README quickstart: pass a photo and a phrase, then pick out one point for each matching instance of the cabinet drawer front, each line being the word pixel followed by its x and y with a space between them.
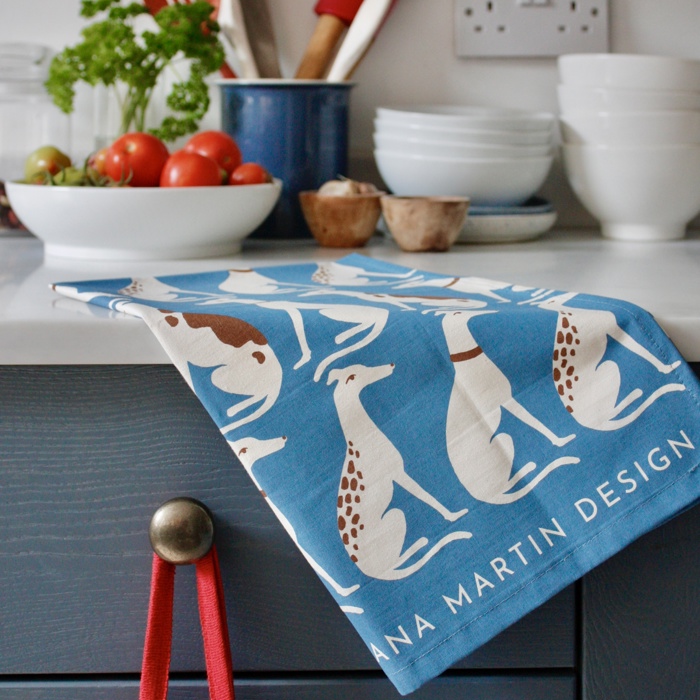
pixel 641 629
pixel 87 454
pixel 445 688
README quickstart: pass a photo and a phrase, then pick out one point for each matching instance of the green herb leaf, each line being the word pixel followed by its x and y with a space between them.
pixel 112 54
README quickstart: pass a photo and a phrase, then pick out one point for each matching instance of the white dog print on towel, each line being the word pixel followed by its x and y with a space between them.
pixel 249 450
pixel 481 457
pixel 243 360
pixel 374 534
pixel 342 275
pixel 589 387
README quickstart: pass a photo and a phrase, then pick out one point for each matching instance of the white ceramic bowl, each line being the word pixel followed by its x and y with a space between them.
pixel 582 98
pixel 142 223
pixel 637 193
pixel 486 181
pixel 455 149
pixel 631 128
pixel 630 71
pixel 469 117
pixel 470 136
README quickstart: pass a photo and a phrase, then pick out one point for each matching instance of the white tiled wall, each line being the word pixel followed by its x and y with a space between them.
pixel 412 61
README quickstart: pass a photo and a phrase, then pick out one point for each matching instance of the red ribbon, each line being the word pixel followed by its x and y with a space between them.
pixel 159 629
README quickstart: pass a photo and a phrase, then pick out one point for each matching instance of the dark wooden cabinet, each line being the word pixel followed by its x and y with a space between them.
pixel 88 453
pixel 641 613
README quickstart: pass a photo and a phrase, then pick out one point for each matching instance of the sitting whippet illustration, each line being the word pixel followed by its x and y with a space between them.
pixel 244 363
pixel 481 456
pixel 249 450
pixel 374 535
pixel 588 385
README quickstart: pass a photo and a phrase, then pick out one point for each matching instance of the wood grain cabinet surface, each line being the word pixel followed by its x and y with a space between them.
pixel 86 456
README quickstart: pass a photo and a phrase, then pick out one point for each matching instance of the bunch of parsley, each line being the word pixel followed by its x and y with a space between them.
pixel 112 54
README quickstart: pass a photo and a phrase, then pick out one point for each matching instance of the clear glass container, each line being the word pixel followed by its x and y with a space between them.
pixel 28 117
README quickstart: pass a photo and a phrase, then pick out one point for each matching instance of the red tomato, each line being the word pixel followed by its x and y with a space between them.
pixel 137 159
pixel 219 147
pixel 185 169
pixel 249 174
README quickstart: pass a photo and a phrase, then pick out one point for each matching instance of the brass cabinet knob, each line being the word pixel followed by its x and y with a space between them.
pixel 181 531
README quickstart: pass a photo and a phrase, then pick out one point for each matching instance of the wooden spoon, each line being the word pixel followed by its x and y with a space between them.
pixel 334 16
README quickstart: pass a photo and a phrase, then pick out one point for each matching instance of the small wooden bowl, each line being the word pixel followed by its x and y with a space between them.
pixel 347 221
pixel 424 223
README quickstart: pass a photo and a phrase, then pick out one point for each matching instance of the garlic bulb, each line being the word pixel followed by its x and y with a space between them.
pixel 345 188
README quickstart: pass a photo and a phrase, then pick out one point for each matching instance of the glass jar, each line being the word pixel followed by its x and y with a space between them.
pixel 28 117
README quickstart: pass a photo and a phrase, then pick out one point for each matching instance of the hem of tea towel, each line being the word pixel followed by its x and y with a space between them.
pixel 675 498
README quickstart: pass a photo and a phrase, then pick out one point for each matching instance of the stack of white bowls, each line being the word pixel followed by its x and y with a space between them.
pixel 494 156
pixel 630 128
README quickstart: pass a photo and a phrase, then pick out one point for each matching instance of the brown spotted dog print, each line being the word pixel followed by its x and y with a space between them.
pixel 589 385
pixel 249 451
pixel 372 532
pixel 564 359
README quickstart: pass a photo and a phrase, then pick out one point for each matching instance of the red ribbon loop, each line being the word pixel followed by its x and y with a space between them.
pixel 159 629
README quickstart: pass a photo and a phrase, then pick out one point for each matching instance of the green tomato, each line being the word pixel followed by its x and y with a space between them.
pixel 47 159
pixel 70 176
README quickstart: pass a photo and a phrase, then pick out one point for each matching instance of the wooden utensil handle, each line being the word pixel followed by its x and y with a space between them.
pixel 320 48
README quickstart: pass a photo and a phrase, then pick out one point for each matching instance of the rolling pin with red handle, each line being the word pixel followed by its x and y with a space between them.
pixel 333 18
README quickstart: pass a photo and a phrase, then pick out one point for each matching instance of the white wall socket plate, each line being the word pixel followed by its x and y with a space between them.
pixel 530 27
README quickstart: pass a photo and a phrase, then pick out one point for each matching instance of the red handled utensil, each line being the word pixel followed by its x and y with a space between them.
pixel 334 16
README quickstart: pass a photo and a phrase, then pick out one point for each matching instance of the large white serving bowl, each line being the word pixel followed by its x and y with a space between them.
pixel 643 194
pixel 630 71
pixel 583 98
pixel 469 117
pixel 486 181
pixel 455 149
pixel 142 223
pixel 631 128
pixel 492 136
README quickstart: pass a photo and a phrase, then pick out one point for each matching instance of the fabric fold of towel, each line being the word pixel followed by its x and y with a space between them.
pixel 447 452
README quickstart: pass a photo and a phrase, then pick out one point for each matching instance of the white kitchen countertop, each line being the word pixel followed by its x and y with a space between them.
pixel 37 326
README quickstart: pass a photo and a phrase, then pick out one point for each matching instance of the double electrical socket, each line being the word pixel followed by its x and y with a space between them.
pixel 530 27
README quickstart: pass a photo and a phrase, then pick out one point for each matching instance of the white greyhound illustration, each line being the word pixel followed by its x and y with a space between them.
pixel 374 535
pixel 361 319
pixel 588 386
pixel 244 362
pixel 463 285
pixel 154 289
pixel 249 450
pixel 242 281
pixel 248 281
pixel 343 275
pixel 482 457
pixel 404 302
pixel 370 321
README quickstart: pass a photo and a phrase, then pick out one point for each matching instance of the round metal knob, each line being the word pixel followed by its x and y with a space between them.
pixel 181 531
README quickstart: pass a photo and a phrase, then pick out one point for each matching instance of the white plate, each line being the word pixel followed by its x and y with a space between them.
pixel 508 224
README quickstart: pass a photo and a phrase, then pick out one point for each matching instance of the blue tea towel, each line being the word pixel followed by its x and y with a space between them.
pixel 447 452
